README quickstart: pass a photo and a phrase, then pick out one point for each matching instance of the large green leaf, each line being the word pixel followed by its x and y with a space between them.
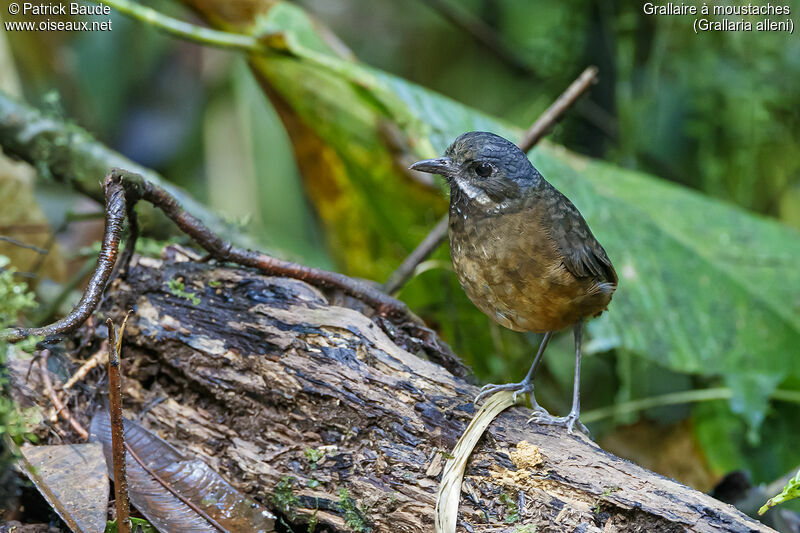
pixel 705 288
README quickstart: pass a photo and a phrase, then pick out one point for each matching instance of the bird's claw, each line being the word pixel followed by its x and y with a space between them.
pixel 491 389
pixel 571 421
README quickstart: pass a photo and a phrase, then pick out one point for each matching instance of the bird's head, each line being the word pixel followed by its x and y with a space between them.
pixel 483 167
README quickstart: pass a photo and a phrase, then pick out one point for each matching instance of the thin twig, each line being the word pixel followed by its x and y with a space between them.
pixel 136 187
pixel 186 30
pixel 26 275
pixel 553 113
pixel 117 429
pixel 99 358
pixel 21 244
pixel 61 409
pixel 406 270
pixel 48 310
pixel 539 129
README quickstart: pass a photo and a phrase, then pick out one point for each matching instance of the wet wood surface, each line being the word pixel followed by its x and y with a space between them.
pixel 311 408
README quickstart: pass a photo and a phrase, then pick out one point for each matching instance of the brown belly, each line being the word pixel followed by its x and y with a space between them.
pixel 515 275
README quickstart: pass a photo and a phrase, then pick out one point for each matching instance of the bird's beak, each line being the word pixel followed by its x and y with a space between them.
pixel 441 165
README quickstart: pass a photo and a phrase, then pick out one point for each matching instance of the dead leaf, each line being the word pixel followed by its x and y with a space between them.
pixel 72 478
pixel 194 480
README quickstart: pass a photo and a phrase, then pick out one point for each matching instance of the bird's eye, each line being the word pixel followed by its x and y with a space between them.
pixel 483 170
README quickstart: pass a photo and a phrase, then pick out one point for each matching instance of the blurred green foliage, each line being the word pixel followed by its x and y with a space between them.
pixel 708 293
pixel 14 299
pixel 715 111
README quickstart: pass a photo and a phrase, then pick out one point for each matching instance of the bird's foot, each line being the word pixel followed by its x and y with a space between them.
pixel 522 387
pixel 571 421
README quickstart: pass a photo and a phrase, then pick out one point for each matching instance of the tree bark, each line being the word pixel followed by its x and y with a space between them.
pixel 310 407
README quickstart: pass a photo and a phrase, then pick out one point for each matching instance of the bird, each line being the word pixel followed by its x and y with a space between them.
pixel 522 251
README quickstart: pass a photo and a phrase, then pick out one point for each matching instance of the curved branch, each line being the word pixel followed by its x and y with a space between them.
pixel 115 215
pixel 123 189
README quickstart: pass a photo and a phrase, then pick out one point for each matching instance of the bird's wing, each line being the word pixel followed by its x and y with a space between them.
pixel 583 255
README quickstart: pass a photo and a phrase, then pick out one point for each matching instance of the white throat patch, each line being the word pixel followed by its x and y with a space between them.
pixel 473 192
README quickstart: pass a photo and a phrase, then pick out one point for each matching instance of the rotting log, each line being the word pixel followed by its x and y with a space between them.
pixel 311 408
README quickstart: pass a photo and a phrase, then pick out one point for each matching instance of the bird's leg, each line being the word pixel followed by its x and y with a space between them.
pixel 573 418
pixel 574 414
pixel 524 386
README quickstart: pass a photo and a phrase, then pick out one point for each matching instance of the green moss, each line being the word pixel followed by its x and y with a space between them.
pixel 284 498
pixel 313 455
pixel 312 523
pixel 14 299
pixel 512 509
pixel 177 288
pixel 354 517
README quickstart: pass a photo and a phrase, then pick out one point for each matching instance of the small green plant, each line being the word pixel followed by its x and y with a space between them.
pixel 606 492
pixel 137 525
pixel 512 509
pixel 314 455
pixel 177 288
pixel 353 516
pixel 789 492
pixel 312 522
pixel 16 424
pixel 215 283
pixel 284 498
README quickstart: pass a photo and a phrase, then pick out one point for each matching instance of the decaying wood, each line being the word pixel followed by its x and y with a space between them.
pixel 312 408
pixel 123 189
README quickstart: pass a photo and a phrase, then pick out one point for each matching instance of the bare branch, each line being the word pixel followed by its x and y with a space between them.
pixel 21 244
pixel 553 114
pixel 61 409
pixel 406 270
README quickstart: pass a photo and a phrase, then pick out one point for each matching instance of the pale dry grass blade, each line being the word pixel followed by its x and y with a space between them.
pixel 450 488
